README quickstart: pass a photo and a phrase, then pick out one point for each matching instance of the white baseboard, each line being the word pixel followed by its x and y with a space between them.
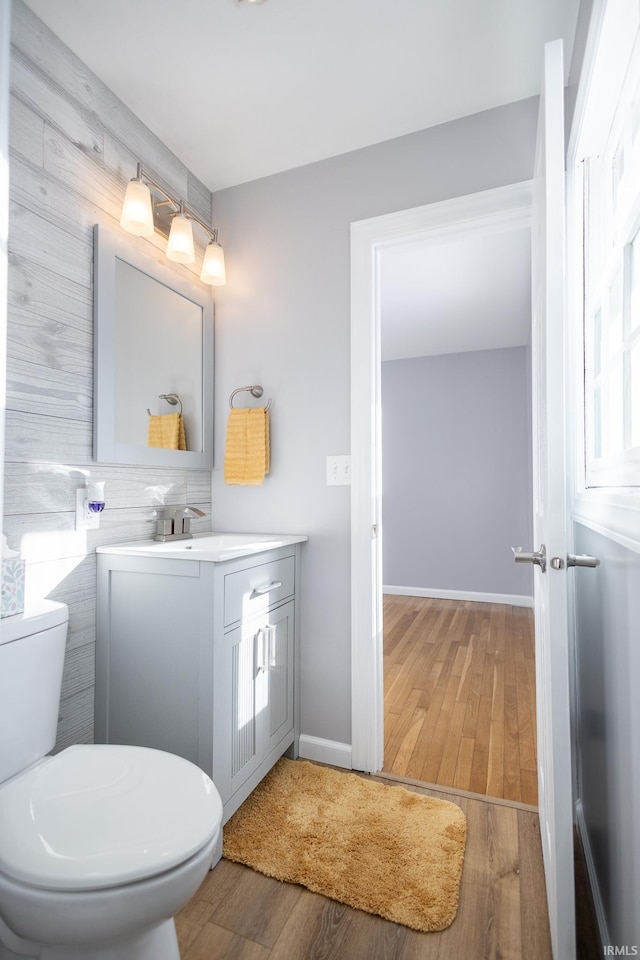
pixel 593 877
pixel 325 751
pixel 514 599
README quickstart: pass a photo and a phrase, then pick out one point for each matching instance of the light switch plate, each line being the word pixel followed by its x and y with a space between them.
pixel 339 471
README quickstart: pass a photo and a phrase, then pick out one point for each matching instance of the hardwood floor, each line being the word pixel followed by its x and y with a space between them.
pixel 463 676
pixel 502 913
pixel 460 695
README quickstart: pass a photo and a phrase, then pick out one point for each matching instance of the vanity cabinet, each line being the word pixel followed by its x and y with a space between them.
pixel 200 658
pixel 253 678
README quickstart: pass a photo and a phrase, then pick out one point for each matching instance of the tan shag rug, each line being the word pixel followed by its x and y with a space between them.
pixel 379 848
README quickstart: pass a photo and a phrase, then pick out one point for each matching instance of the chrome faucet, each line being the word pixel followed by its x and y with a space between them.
pixel 174 522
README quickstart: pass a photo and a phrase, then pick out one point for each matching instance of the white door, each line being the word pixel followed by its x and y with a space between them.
pixel 549 505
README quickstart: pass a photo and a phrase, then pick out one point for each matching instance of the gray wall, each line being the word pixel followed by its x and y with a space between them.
pixel 5 20
pixel 73 146
pixel 456 481
pixel 608 735
pixel 283 320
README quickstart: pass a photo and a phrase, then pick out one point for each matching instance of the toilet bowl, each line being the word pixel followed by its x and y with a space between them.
pixel 100 845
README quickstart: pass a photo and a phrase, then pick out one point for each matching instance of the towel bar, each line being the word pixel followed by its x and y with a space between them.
pixel 171 398
pixel 255 390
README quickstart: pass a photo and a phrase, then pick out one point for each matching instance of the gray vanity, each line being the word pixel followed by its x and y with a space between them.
pixel 197 652
pixel 197 636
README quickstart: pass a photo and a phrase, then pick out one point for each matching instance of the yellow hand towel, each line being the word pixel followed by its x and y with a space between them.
pixel 247 450
pixel 167 431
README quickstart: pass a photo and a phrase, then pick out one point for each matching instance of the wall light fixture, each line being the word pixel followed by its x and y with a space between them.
pixel 147 207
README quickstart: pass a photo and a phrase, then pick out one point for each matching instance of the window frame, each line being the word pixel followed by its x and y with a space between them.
pixel 611 228
pixel 614 27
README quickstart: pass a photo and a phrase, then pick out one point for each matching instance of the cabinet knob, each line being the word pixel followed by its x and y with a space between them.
pixel 261 651
pixel 273 662
pixel 260 591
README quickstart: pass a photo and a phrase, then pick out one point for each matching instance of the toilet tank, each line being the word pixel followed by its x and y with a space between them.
pixel 32 648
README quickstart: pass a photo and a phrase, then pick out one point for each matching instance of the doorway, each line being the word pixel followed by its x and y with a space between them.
pixel 459 670
pixel 487 214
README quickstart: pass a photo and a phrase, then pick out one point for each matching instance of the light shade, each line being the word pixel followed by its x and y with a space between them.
pixel 137 213
pixel 180 245
pixel 213 271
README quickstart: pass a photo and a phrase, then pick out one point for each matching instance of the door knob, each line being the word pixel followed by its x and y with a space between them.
pixel 539 556
pixel 575 560
pixel 581 560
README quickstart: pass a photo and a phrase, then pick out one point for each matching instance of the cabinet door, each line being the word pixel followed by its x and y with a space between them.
pixel 253 693
pixel 278 719
pixel 240 695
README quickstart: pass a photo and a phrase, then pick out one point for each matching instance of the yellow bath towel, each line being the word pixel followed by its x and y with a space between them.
pixel 246 458
pixel 167 431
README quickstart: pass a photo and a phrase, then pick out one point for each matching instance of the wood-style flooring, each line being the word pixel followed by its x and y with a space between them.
pixel 241 915
pixel 460 698
pixel 482 723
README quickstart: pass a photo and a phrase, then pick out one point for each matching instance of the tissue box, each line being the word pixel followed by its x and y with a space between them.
pixel 12 594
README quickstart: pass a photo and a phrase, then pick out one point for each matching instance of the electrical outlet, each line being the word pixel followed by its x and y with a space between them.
pixel 85 519
pixel 339 471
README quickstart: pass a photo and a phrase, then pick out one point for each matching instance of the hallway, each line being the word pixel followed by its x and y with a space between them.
pixel 459 681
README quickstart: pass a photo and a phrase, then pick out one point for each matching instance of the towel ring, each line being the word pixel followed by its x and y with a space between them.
pixel 171 398
pixel 255 391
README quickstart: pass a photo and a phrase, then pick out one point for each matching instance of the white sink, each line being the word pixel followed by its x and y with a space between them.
pixel 205 546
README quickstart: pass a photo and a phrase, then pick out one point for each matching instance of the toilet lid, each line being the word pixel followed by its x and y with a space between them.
pixel 99 815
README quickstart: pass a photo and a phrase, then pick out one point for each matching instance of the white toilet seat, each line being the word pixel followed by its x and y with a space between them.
pixel 98 816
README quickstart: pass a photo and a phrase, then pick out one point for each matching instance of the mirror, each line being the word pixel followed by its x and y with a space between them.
pixel 153 338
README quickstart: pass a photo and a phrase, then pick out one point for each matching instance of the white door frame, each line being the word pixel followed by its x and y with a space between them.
pixel 491 211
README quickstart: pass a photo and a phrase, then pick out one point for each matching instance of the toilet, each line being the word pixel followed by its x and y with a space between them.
pixel 100 845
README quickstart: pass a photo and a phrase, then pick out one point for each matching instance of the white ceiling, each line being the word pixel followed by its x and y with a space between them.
pixel 470 292
pixel 240 91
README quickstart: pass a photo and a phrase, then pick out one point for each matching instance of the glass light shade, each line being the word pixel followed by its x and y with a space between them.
pixel 213 271
pixel 180 245
pixel 137 213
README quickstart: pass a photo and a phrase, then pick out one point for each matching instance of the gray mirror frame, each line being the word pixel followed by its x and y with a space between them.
pixel 109 247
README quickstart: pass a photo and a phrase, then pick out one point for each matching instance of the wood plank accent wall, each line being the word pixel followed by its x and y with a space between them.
pixel 73 147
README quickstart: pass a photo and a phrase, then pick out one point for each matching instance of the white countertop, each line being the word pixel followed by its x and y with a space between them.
pixel 205 546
